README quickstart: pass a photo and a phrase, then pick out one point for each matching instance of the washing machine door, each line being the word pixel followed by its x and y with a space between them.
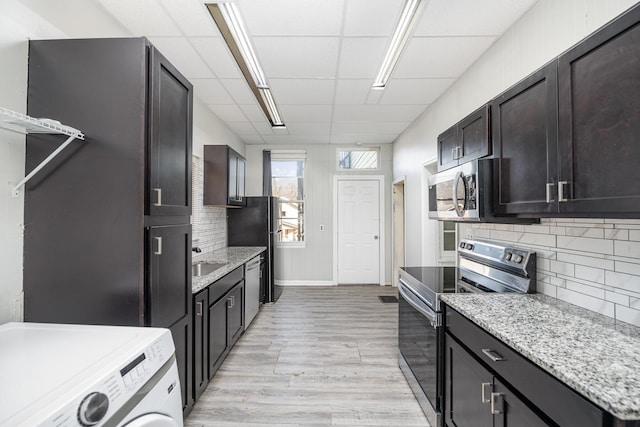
pixel 153 420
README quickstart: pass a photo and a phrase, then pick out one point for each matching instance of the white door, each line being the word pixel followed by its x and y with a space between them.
pixel 358 232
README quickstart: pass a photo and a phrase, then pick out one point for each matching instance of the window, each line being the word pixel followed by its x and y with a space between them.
pixel 287 180
pixel 358 159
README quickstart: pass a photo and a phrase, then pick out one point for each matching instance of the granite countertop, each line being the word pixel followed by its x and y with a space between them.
pixel 593 354
pixel 232 256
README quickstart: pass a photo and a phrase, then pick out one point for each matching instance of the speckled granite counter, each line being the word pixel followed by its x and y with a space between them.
pixel 232 257
pixel 591 353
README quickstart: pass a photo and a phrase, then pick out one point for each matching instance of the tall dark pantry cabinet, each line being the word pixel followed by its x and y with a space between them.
pixel 107 235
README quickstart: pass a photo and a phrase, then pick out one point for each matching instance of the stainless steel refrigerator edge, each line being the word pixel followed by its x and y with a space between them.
pixel 256 224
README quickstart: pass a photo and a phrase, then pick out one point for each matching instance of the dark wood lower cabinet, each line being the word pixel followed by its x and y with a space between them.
pixel 182 339
pixel 218 335
pixel 200 342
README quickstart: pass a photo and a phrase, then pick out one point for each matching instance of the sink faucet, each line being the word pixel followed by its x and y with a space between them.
pixel 196 250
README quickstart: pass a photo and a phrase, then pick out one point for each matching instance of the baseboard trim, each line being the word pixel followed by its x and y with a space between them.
pixel 304 283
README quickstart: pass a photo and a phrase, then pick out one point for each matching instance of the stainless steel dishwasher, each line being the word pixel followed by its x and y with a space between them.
pixel 251 290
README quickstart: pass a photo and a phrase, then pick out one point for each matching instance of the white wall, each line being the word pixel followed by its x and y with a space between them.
pixel 545 31
pixel 314 263
pixel 45 19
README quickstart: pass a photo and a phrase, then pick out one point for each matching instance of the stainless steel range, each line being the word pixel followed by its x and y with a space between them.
pixel 482 267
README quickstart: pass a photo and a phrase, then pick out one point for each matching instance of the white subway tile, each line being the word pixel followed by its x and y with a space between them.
pixel 558 231
pixel 537 239
pixel 508 236
pixel 590 303
pixel 634 303
pixel 586 289
pixel 628 315
pixel 628 267
pixel 631 294
pixel 600 246
pixel 543 264
pixel 616 234
pixel 518 228
pixel 634 235
pixel 622 221
pixel 547 289
pixel 558 282
pixel 586 260
pixel 503 227
pixel 563 268
pixel 617 298
pixel 622 281
pixel 589 273
pixel 596 233
pixel 480 233
pixel 589 220
pixel 539 229
pixel 628 249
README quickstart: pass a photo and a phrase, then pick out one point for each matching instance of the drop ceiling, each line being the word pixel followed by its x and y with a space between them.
pixel 320 58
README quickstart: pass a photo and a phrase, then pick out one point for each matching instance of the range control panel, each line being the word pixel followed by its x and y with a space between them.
pixel 98 402
pixel 505 255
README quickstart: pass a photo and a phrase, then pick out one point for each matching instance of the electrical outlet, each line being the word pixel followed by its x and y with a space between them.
pixel 321 227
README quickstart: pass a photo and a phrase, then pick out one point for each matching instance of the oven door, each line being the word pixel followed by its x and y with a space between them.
pixel 420 347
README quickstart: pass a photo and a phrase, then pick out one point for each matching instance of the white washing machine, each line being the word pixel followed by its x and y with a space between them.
pixel 81 375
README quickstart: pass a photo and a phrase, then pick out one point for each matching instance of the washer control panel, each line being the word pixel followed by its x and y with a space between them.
pixel 95 405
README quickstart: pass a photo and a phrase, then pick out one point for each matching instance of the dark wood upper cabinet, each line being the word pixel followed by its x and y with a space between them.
pixel 170 127
pixel 467 140
pixel 524 133
pixel 224 176
pixel 599 121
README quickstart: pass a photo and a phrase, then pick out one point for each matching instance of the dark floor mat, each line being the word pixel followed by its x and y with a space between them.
pixel 387 299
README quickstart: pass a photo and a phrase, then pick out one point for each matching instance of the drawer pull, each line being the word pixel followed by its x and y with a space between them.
pixel 497 403
pixel 493 355
pixel 487 388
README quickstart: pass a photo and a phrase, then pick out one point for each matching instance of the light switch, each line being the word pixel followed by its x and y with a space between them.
pixel 321 227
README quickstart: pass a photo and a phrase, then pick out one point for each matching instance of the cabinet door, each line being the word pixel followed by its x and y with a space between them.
pixel 200 342
pixel 236 312
pixel 473 135
pixel 168 297
pixel 448 148
pixel 181 333
pixel 509 410
pixel 465 381
pixel 242 167
pixel 218 334
pixel 170 124
pixel 599 121
pixel 524 134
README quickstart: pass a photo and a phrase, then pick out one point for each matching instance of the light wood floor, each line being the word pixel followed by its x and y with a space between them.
pixel 320 356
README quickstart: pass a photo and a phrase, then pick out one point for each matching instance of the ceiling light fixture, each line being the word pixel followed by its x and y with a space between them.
pixel 408 18
pixel 227 18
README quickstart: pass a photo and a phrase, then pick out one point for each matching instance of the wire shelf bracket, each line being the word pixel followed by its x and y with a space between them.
pixel 23 124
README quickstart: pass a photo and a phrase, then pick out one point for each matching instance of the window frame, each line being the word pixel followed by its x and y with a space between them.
pixel 351 149
pixel 292 156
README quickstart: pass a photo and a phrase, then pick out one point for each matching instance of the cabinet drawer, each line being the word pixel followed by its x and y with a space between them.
pixel 221 286
pixel 565 406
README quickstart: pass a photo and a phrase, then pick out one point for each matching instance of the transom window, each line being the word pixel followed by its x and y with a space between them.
pixel 358 159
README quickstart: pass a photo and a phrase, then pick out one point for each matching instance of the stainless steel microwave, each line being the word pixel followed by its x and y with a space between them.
pixel 464 193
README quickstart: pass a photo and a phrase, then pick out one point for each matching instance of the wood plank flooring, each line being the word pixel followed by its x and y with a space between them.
pixel 320 356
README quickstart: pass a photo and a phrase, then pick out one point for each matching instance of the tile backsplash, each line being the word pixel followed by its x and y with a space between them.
pixel 211 231
pixel 593 263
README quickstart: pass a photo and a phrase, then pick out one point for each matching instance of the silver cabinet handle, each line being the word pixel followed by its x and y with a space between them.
pixel 158 250
pixel 549 186
pixel 231 301
pixel 561 196
pixel 493 355
pixel 454 152
pixel 460 151
pixel 199 308
pixel 487 388
pixel 158 197
pixel 497 403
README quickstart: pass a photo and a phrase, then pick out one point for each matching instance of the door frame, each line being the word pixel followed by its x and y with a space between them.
pixel 381 203
pixel 402 180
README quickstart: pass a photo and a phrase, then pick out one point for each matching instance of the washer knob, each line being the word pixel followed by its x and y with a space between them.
pixel 93 408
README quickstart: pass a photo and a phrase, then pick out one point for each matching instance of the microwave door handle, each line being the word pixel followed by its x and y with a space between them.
pixel 456 181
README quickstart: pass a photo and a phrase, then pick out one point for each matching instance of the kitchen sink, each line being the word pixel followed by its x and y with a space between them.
pixel 204 268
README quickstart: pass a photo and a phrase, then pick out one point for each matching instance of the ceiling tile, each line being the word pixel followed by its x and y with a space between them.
pixel 368 127
pixel 191 16
pixel 253 112
pixel 364 138
pixel 305 113
pixel 263 127
pixel 361 57
pixel 183 56
pixel 216 54
pixel 440 57
pixel 242 128
pixel 470 18
pixel 295 139
pixel 210 91
pixel 376 113
pixel 315 129
pixel 292 17
pixel 239 90
pixel 313 91
pixel 352 91
pixel 142 17
pixel 414 91
pixel 371 17
pixel 228 113
pixel 298 57
pixel 252 139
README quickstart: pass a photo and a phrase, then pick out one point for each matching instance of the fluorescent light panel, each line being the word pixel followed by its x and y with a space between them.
pixel 398 42
pixel 229 21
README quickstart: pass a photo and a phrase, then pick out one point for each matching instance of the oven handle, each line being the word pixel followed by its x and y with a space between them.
pixel 468 288
pixel 415 302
